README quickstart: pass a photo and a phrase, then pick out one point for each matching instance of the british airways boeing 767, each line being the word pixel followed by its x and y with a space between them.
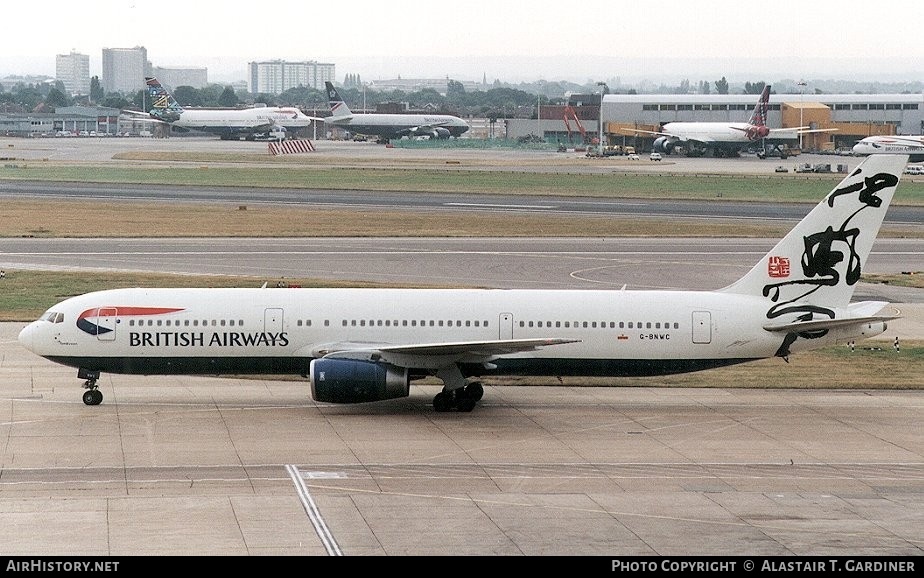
pixel 365 345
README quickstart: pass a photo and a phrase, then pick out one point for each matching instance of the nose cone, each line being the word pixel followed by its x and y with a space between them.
pixel 27 336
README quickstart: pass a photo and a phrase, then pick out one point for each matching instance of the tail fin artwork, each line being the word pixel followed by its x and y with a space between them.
pixel 338 108
pixel 163 105
pixel 757 123
pixel 809 277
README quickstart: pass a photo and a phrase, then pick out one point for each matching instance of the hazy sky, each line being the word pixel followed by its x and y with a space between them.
pixel 510 40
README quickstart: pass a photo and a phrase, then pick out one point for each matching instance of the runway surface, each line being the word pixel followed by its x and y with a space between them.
pixel 208 466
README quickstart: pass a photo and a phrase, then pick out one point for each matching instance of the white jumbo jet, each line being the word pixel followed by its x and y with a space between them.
pixel 912 145
pixel 251 123
pixel 365 345
pixel 389 126
pixel 723 138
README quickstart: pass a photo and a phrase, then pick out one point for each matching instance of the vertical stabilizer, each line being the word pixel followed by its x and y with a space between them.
pixel 818 264
pixel 163 105
pixel 759 114
pixel 338 108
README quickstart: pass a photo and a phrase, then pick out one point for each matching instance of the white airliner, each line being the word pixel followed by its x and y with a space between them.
pixel 389 126
pixel 723 138
pixel 912 145
pixel 363 345
pixel 250 123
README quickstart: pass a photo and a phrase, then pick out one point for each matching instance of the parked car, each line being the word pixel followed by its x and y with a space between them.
pixel 633 157
pixel 781 169
pixel 655 156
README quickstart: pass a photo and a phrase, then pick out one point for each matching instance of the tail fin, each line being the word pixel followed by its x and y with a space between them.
pixel 338 108
pixel 759 114
pixel 817 265
pixel 163 105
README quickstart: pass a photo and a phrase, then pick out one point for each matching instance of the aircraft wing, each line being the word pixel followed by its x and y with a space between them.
pixel 433 354
pixel 424 129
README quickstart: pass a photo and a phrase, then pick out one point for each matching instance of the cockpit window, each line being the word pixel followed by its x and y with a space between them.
pixel 53 317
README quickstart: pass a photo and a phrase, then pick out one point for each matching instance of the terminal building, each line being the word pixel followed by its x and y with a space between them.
pixel 853 116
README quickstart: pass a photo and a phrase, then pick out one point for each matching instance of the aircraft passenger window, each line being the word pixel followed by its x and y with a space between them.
pixel 441 322
pixel 478 324
pixel 585 325
pixel 658 325
pixel 630 325
pixel 432 323
pixel 648 325
pixel 222 322
pixel 485 323
pixel 676 326
pixel 458 323
pixel 214 323
pixel 344 322
pixel 522 323
pixel 558 324
pixel 186 322
pixel 160 322
pixel 567 324
pixel 621 324
pixel 468 323
pixel 594 324
pixel 530 323
pixel 327 323
pixel 298 323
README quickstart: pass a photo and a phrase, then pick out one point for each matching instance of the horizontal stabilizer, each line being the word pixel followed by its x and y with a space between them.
pixel 817 324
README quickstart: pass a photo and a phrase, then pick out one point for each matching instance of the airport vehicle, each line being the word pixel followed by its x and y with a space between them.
pixel 912 145
pixel 723 138
pixel 655 156
pixel 365 345
pixel 391 126
pixel 265 123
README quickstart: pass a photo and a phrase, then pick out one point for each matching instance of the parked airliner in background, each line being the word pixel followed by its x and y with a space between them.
pixel 363 345
pixel 912 145
pixel 723 138
pixel 250 123
pixel 388 126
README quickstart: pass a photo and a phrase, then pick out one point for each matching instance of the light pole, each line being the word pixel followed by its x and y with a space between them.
pixel 603 90
pixel 801 109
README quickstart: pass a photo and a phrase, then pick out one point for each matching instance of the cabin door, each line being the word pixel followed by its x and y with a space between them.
pixel 272 320
pixel 106 323
pixel 505 326
pixel 702 327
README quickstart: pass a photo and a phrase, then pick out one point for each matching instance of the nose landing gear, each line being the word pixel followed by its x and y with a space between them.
pixel 92 395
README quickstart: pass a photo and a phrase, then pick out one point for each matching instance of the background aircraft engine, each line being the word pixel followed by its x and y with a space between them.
pixel 441 133
pixel 352 381
pixel 664 145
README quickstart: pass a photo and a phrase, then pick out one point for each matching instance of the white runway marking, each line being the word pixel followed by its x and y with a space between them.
pixel 330 544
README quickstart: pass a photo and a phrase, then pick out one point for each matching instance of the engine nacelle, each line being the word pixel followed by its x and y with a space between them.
pixel 352 381
pixel 440 132
pixel 664 145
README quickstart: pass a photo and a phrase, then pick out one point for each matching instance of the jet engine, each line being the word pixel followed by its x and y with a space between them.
pixel 664 145
pixel 352 381
pixel 440 132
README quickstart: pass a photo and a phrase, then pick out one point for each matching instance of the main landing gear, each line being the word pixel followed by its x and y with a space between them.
pixel 92 395
pixel 461 399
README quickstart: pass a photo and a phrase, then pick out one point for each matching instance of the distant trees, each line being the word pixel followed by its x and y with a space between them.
pixel 721 86
pixel 228 97
pixel 96 90
pixel 754 87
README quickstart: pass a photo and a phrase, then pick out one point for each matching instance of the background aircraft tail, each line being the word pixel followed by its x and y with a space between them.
pixel 163 105
pixel 817 265
pixel 337 106
pixel 759 114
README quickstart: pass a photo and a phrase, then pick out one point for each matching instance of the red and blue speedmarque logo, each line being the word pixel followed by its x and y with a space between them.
pixel 85 324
